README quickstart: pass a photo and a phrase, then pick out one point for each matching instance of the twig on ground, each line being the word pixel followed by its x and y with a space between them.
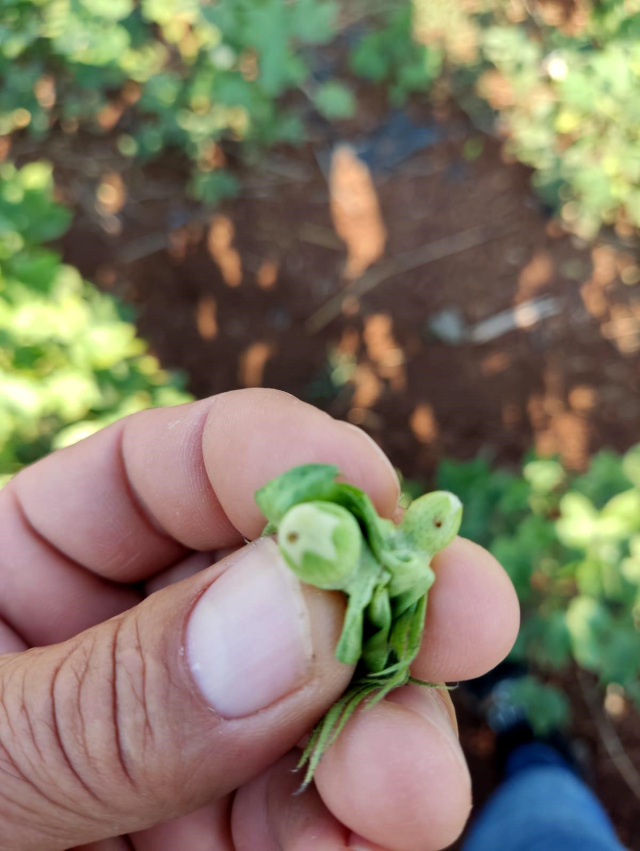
pixel 405 262
pixel 147 245
pixel 320 235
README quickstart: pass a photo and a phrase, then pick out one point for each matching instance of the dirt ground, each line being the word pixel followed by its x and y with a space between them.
pixel 432 359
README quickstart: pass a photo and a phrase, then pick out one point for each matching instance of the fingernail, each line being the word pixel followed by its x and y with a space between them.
pixel 429 703
pixel 248 639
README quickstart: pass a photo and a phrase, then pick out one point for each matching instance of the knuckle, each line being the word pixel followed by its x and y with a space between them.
pixel 139 690
pixel 84 734
pixel 35 795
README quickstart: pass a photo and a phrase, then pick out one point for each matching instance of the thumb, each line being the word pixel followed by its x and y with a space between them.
pixel 167 706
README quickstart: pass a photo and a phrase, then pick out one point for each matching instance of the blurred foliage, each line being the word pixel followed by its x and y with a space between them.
pixel 389 54
pixel 69 362
pixel 571 545
pixel 164 73
pixel 546 706
pixel 560 79
pixel 563 81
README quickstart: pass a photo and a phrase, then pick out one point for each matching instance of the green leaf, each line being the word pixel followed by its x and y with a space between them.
pixel 631 464
pixel 335 100
pixel 578 522
pixel 369 61
pixel 621 515
pixel 547 640
pixel 213 186
pixel 113 10
pixel 313 21
pixel 621 656
pixel 604 478
pixel 267 28
pixel 546 707
pixel 301 484
pixel 590 626
pixel 544 475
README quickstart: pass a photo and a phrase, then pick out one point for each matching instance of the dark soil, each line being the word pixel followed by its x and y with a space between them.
pixel 226 300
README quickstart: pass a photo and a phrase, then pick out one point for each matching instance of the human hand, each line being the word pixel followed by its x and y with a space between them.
pixel 154 713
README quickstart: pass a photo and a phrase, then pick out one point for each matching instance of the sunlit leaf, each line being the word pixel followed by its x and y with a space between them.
pixel 335 100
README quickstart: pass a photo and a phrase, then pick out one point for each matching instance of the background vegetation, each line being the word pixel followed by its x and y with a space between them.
pixel 571 545
pixel 69 361
pixel 561 82
pixel 218 81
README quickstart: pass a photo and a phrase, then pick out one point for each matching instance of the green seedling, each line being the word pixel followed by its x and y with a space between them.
pixel 331 536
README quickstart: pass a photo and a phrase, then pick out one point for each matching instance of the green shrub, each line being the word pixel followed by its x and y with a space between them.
pixel 186 74
pixel 389 54
pixel 178 73
pixel 545 705
pixel 565 94
pixel 571 545
pixel 69 362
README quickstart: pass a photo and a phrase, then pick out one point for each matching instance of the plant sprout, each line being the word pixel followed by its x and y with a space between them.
pixel 331 536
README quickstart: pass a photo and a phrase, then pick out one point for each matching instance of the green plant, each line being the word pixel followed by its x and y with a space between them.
pixel 565 94
pixel 389 54
pixel 331 536
pixel 574 113
pixel 571 545
pixel 546 707
pixel 69 362
pixel 163 73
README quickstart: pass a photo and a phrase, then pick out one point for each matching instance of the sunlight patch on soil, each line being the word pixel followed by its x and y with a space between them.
pixel 383 349
pixel 623 329
pixel 582 398
pixel 253 362
pixel 423 423
pixel 368 386
pixel 220 245
pixel 593 291
pixel 534 275
pixel 495 363
pixel 206 318
pixel 267 274
pixel 355 211
pixel 111 194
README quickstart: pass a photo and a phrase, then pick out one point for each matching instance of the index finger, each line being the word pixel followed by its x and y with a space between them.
pixel 131 499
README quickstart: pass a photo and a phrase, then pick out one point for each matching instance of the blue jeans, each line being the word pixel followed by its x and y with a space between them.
pixel 541 805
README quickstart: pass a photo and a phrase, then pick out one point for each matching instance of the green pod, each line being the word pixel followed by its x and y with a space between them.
pixel 321 542
pixel 432 521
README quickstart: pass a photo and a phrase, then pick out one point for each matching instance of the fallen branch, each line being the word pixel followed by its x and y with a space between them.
pixel 404 262
pixel 143 247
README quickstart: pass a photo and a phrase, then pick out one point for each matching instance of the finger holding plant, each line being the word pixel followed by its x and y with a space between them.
pixel 331 536
pixel 221 669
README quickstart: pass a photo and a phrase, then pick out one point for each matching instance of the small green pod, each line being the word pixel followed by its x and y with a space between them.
pixel 432 521
pixel 321 542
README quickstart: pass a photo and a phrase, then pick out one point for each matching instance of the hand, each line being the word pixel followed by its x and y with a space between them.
pixel 145 701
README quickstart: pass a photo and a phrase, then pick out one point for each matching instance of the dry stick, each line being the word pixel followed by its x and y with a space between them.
pixel 145 246
pixel 404 262
pixel 610 739
pixel 151 243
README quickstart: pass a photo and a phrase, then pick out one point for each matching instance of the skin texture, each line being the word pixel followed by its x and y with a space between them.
pixel 104 736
